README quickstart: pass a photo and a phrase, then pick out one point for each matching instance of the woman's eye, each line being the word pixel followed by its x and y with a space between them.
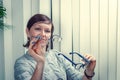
pixel 37 29
pixel 48 31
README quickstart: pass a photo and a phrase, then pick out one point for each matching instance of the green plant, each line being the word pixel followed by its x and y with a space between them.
pixel 2 15
pixel 2 11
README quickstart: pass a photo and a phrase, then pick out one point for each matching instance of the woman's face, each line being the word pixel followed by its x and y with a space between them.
pixel 40 29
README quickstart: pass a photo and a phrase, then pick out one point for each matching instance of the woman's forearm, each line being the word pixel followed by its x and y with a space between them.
pixel 38 73
pixel 88 75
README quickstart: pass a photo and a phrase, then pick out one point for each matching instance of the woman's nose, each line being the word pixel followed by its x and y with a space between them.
pixel 42 33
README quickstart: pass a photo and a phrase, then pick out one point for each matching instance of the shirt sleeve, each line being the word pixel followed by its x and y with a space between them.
pixel 22 71
pixel 71 72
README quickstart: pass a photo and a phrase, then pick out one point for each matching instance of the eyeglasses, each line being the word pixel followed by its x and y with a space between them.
pixel 78 66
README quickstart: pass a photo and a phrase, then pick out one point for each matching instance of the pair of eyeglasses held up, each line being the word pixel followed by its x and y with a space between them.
pixel 77 65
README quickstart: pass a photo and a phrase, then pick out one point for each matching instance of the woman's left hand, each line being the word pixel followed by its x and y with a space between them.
pixel 91 66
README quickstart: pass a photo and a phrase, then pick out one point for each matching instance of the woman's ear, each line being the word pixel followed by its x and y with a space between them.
pixel 27 32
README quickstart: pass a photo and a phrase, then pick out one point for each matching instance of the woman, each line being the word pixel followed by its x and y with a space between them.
pixel 41 64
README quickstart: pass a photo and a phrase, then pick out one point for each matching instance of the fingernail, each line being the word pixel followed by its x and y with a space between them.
pixel 33 42
pixel 38 37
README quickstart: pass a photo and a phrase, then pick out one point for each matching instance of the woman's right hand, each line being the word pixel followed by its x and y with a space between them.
pixel 36 50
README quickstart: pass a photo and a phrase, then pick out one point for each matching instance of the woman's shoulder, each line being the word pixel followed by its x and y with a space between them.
pixel 24 58
pixel 24 62
pixel 55 53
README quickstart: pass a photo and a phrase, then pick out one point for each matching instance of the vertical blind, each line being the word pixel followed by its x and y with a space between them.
pixel 90 27
pixel 93 27
pixel 86 26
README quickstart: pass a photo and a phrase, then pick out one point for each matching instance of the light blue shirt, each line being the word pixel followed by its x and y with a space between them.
pixel 56 68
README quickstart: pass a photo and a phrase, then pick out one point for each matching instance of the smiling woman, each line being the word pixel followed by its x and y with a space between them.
pixel 39 63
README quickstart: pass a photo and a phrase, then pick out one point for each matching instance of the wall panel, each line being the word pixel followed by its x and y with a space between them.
pixel 112 36
pixel 45 7
pixel 56 21
pixel 76 27
pixel 8 56
pixel 66 26
pixel 103 43
pixel 94 23
pixel 84 26
pixel 35 6
pixel 118 40
pixel 27 12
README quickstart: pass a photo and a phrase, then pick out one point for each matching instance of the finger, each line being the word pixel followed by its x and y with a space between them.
pixel 34 41
pixel 40 52
pixel 40 49
pixel 92 58
pixel 33 54
pixel 41 46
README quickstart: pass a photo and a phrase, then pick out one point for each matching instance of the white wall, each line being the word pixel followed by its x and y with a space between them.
pixel 95 25
pixel 86 26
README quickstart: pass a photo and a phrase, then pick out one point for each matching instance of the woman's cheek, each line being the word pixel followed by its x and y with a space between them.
pixel 34 34
pixel 49 36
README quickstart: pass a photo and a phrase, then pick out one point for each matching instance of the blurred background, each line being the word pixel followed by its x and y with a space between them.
pixel 86 26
